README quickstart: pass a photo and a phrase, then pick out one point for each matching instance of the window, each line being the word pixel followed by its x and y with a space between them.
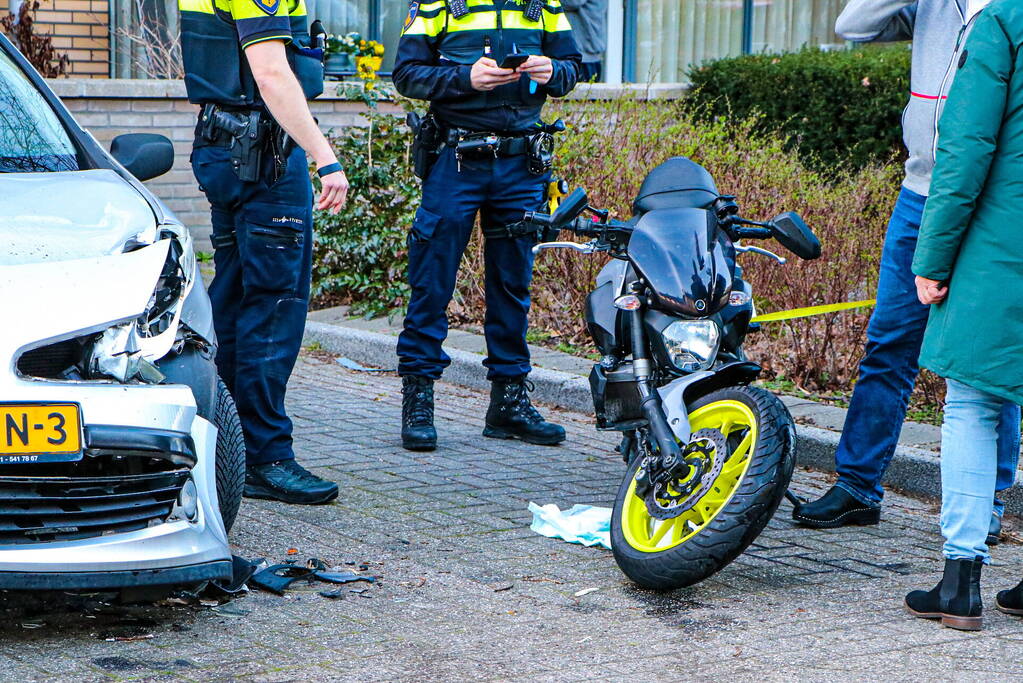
pixel 374 19
pixel 663 38
pixel 32 138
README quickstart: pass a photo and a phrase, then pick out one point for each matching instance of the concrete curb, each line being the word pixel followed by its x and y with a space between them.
pixel 914 471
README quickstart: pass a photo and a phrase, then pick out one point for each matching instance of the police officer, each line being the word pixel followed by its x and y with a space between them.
pixel 250 66
pixel 482 149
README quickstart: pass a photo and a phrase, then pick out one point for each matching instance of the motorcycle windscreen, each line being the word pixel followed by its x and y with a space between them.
pixel 680 255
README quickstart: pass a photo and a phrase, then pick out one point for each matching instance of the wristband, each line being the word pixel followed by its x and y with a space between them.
pixel 328 169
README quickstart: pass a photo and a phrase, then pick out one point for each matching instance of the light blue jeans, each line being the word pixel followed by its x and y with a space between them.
pixel 969 467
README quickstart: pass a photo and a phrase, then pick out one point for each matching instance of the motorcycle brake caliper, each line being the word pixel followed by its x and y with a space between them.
pixel 671 492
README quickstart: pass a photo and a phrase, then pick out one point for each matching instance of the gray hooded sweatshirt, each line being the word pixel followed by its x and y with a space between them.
pixel 937 29
pixel 589 26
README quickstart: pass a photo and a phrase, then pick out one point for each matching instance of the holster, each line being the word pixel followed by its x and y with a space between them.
pixel 250 135
pixel 428 139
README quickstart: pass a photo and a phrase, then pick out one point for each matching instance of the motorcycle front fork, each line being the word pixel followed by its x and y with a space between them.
pixel 650 400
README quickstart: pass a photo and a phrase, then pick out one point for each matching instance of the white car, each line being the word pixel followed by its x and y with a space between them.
pixel 121 456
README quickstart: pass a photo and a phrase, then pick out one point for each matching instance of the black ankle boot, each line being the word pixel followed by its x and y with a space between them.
pixel 1011 601
pixel 417 431
pixel 956 598
pixel 512 416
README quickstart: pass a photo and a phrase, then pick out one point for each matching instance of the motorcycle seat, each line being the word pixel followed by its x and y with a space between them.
pixel 678 183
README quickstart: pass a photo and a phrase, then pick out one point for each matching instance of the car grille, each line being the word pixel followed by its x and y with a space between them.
pixel 50 362
pixel 102 494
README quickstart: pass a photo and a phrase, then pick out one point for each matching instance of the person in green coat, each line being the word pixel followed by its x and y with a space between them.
pixel 969 267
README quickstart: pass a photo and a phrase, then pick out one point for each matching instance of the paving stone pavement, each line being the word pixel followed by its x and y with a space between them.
pixel 468 592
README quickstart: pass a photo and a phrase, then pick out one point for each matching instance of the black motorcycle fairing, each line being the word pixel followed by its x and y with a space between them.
pixel 604 322
pixel 616 400
pixel 735 319
pixel 683 257
pixel 676 183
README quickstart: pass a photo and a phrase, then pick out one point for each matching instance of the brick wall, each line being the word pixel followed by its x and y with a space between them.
pixel 107 108
pixel 80 29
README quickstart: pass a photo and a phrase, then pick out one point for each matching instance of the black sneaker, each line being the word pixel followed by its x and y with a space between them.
pixel 512 416
pixel 836 508
pixel 288 482
pixel 417 430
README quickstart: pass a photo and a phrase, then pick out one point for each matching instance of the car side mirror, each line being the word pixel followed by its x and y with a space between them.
pixel 793 234
pixel 570 207
pixel 144 155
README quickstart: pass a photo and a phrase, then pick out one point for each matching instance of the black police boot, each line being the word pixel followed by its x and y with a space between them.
pixel 512 416
pixel 994 530
pixel 417 431
pixel 288 482
pixel 956 598
pixel 1011 601
pixel 835 508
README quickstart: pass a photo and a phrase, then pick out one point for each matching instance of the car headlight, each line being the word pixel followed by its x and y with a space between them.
pixel 692 344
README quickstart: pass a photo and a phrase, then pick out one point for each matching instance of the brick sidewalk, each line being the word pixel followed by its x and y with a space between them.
pixel 448 533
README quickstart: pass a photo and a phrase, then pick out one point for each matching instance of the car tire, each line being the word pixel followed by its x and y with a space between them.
pixel 230 456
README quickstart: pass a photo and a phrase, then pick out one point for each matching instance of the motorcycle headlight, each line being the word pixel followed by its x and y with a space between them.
pixel 692 344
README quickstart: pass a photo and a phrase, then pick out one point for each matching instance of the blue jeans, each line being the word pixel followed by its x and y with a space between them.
pixel 262 235
pixel 889 369
pixel 971 459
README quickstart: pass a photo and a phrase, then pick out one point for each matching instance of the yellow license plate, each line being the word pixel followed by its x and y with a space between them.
pixel 34 432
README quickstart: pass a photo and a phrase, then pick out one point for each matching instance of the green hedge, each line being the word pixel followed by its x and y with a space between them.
pixel 834 107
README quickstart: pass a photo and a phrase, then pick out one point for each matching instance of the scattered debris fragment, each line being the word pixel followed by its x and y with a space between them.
pixel 130 639
pixel 499 586
pixel 350 364
pixel 279 577
pixel 585 591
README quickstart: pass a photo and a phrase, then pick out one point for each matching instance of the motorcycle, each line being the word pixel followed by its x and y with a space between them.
pixel 709 457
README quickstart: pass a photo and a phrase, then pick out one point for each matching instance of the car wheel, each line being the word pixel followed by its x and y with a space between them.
pixel 230 456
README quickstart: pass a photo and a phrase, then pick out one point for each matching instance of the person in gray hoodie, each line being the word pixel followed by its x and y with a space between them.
pixel 889 367
pixel 589 25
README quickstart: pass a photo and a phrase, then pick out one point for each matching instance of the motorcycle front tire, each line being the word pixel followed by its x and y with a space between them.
pixel 741 503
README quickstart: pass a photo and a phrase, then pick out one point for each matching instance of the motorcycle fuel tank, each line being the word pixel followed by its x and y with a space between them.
pixel 679 254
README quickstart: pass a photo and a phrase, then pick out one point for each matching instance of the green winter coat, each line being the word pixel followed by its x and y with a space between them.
pixel 971 234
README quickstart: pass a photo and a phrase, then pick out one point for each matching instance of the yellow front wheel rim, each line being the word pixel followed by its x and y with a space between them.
pixel 738 423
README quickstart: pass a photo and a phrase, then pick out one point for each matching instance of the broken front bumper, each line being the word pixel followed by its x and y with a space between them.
pixel 140 506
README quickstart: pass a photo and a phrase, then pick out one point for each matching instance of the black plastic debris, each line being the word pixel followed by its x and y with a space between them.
pixel 279 577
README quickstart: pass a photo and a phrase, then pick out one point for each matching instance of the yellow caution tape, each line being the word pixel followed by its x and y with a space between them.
pixel 811 310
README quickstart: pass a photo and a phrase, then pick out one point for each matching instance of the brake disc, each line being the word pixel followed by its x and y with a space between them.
pixel 673 493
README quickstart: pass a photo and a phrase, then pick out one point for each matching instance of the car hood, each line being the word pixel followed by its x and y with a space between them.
pixel 64 216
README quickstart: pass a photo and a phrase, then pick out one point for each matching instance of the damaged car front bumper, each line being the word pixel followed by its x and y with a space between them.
pixel 135 504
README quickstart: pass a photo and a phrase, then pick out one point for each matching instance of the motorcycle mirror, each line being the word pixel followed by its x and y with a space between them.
pixel 793 234
pixel 570 207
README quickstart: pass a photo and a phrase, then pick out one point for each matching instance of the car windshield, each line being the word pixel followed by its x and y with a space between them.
pixel 32 138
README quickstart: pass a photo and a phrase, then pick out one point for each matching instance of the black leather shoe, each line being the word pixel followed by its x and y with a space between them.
pixel 956 598
pixel 512 416
pixel 288 482
pixel 994 532
pixel 836 508
pixel 1011 601
pixel 417 431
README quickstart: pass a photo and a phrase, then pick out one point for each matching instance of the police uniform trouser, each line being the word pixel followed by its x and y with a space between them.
pixel 502 190
pixel 262 232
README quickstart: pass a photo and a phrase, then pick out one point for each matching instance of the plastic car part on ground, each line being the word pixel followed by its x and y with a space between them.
pixel 583 524
pixel 277 578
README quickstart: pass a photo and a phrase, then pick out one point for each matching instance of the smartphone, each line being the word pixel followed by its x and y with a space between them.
pixel 513 61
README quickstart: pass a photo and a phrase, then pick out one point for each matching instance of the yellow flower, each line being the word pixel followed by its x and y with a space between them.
pixel 379 50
